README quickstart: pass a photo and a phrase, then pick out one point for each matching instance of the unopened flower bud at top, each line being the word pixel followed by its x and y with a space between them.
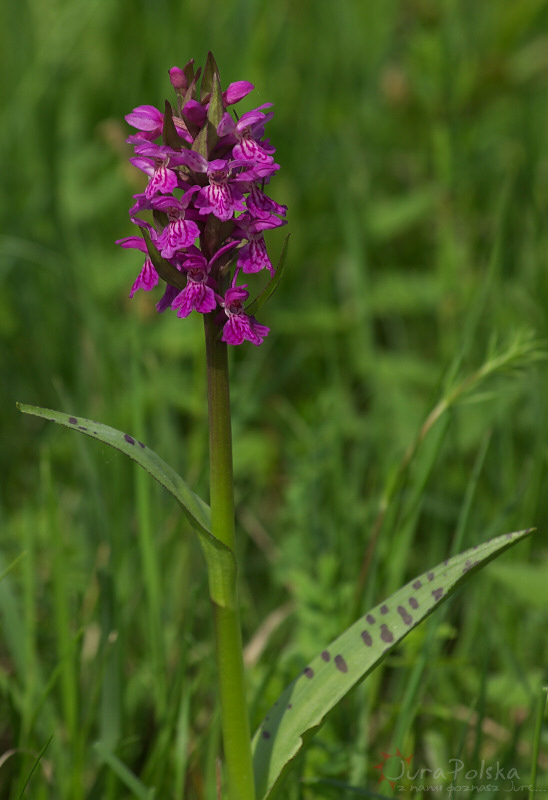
pixel 178 79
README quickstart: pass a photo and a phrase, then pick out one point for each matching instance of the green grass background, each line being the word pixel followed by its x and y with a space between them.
pixel 412 140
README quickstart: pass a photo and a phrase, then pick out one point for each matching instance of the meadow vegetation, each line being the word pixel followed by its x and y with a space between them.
pixel 396 413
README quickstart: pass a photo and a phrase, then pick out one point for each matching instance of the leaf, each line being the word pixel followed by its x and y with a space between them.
pixel 196 510
pixel 215 113
pixel 210 70
pixel 207 138
pixel 169 131
pixel 301 708
pixel 219 557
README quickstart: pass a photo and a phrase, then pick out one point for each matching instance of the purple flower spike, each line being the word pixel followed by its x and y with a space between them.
pixel 205 210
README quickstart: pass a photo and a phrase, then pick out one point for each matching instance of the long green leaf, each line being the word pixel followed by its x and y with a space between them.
pixel 301 708
pixel 219 557
pixel 196 510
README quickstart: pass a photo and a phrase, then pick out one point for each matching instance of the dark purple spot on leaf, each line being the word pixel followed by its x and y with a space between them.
pixel 141 445
pixel 437 594
pixel 73 421
pixel 406 617
pixel 340 663
pixel 366 636
pixel 82 428
pixel 413 602
pixel 289 705
pixel 384 609
pixel 266 735
pixel 309 672
pixel 129 439
pixel 326 656
pixel 386 636
pixel 469 564
pixel 417 585
pixel 371 619
pixel 430 576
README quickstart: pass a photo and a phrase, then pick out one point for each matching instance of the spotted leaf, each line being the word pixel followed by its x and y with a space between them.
pixel 220 559
pixel 301 709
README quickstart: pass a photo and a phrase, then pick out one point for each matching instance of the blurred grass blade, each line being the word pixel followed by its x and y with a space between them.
pixel 13 564
pixel 33 768
pixel 541 707
pixel 131 781
pixel 301 708
pixel 220 559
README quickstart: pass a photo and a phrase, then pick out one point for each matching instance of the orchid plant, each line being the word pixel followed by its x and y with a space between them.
pixel 201 222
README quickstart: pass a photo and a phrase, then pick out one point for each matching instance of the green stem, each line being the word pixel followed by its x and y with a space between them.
pixel 230 665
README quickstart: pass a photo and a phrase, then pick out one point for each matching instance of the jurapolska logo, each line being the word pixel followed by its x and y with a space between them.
pixel 386 767
pixel 455 777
